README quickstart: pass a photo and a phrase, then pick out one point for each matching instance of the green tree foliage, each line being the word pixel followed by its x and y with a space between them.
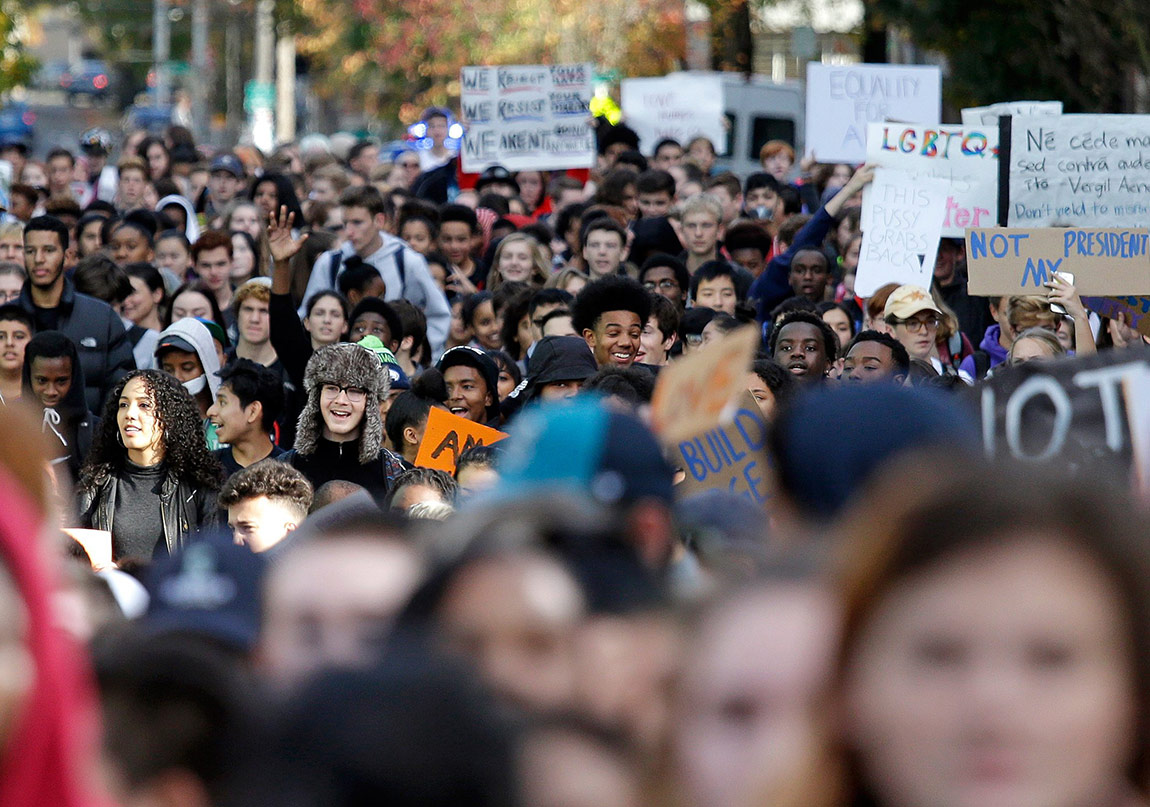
pixel 16 66
pixel 1081 53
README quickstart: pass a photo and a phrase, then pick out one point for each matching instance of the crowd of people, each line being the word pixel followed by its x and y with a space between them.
pixel 225 578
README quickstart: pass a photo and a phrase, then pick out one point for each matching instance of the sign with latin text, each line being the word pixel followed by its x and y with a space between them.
pixel 679 106
pixel 1079 170
pixel 447 436
pixel 527 117
pixel 902 221
pixel 965 158
pixel 843 99
pixel 1005 260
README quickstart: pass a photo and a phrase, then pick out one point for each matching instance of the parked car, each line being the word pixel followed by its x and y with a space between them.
pixel 90 77
pixel 49 75
pixel 17 124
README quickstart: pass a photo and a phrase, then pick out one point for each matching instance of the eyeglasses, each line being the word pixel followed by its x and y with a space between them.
pixel 920 325
pixel 665 285
pixel 354 394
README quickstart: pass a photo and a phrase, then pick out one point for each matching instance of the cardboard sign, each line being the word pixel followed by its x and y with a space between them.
pixel 730 457
pixel 693 393
pixel 900 241
pixel 1080 170
pixel 447 436
pixel 1003 260
pixel 1069 411
pixel 1135 310
pixel 965 158
pixel 681 106
pixel 843 99
pixel 989 115
pixel 527 117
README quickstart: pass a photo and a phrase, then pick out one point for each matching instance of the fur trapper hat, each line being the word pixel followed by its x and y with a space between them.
pixel 347 365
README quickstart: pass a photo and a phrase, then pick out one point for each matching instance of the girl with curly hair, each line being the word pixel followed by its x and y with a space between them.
pixel 149 479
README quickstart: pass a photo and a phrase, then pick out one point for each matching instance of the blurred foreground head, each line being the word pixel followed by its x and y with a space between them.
pixel 829 443
pixel 47 709
pixel 995 648
pixel 585 448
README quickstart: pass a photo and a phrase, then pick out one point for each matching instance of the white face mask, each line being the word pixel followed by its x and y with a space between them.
pixel 196 385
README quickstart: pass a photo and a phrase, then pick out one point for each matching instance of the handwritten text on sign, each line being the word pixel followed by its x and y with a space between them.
pixel 843 99
pixel 447 436
pixel 966 159
pixel 679 106
pixel 527 117
pixel 729 457
pixel 1017 261
pixel 902 220
pixel 1135 310
pixel 1085 170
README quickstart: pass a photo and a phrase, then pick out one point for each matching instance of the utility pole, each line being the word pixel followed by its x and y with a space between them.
pixel 233 76
pixel 201 123
pixel 161 51
pixel 285 85
pixel 262 97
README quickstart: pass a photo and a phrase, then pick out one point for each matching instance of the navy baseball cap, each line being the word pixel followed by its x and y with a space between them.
pixel 230 163
pixel 211 587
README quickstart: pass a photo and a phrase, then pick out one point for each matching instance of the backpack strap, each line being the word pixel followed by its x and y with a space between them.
pixel 981 364
pixel 336 263
pixel 401 269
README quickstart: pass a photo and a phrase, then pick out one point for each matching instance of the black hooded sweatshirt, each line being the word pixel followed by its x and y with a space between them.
pixel 69 425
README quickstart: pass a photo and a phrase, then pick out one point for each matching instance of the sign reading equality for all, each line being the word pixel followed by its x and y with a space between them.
pixel 902 221
pixel 843 99
pixel 1081 170
pixel 527 117
pixel 965 158
pixel 680 106
pixel 1004 260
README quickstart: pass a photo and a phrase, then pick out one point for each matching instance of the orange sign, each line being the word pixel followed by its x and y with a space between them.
pixel 693 393
pixel 447 436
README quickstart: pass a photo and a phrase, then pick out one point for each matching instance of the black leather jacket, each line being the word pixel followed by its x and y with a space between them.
pixel 183 509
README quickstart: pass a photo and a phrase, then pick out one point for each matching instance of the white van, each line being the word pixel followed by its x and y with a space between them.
pixel 757 110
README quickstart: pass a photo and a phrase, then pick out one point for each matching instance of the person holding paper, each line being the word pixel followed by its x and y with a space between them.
pixel 149 480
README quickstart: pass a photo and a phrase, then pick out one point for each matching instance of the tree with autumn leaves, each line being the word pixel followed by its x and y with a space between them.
pixel 397 58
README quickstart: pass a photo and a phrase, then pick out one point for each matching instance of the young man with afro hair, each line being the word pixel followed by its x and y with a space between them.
pixel 610 314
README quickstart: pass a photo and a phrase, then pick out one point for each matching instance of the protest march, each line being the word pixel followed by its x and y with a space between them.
pixel 550 459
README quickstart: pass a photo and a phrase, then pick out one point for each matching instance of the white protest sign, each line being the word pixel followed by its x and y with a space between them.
pixel 904 222
pixel 1082 170
pixel 965 158
pixel 989 115
pixel 843 99
pixel 527 117
pixel 680 106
